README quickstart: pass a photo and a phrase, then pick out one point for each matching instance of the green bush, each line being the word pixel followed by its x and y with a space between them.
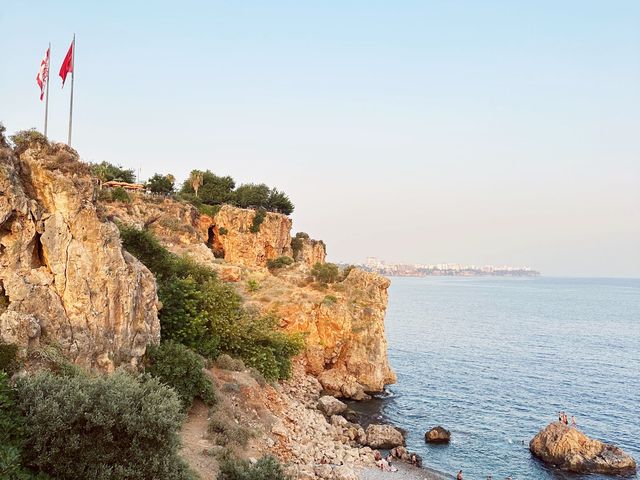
pixel 325 272
pixel 119 194
pixel 225 430
pixel 251 195
pixel 223 231
pixel 258 218
pixel 329 300
pixel 106 172
pixel 207 315
pixel 267 468
pixel 11 437
pixel 160 184
pixel 297 242
pixel 101 427
pixel 279 262
pixel 226 362
pixel 214 189
pixel 253 285
pixel 181 369
pixel 8 357
pixel 25 139
pixel 279 202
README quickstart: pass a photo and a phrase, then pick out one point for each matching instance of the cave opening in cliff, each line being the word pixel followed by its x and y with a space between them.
pixel 38 258
pixel 215 246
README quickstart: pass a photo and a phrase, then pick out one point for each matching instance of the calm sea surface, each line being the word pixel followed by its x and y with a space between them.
pixel 494 360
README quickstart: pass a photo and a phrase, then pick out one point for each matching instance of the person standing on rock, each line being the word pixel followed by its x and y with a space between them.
pixel 573 422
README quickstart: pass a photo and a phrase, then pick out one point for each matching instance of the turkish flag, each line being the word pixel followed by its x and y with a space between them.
pixel 67 64
pixel 43 74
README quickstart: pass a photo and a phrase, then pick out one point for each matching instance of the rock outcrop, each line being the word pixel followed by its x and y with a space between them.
pixel 307 250
pixel 384 436
pixel 343 323
pixel 229 233
pixel 437 435
pixel 569 449
pixel 63 274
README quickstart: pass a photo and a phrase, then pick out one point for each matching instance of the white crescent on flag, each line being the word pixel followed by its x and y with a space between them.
pixel 43 74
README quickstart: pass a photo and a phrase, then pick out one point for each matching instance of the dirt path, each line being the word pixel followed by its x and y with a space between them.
pixel 195 443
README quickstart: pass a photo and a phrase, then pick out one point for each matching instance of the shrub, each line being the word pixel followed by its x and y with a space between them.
pixel 8 357
pixel 253 285
pixel 3 139
pixel 101 427
pixel 106 172
pixel 325 272
pixel 267 468
pixel 226 362
pixel 160 184
pixel 329 300
pixel 181 369
pixel 206 314
pixel 212 189
pixel 258 218
pixel 11 438
pixel 25 139
pixel 224 430
pixel 223 231
pixel 279 262
pixel 297 242
pixel 119 194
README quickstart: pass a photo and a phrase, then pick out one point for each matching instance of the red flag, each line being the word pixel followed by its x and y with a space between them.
pixel 43 74
pixel 67 64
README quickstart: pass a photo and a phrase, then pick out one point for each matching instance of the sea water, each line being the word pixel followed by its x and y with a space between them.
pixel 495 359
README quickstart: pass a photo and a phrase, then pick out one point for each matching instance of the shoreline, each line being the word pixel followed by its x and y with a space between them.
pixel 405 472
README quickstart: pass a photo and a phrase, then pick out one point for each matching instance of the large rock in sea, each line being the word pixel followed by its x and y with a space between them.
pixel 64 277
pixel 384 436
pixel 438 435
pixel 569 449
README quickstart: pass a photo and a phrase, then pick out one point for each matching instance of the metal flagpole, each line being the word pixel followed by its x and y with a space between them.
pixel 73 74
pixel 46 103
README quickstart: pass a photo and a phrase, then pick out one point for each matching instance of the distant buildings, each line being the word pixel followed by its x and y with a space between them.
pixel 373 264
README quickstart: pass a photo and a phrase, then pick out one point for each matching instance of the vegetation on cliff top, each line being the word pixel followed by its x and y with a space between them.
pixel 206 314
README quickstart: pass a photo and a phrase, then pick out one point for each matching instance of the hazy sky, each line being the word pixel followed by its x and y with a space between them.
pixel 502 132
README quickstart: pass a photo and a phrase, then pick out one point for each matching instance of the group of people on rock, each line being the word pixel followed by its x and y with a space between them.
pixel 564 419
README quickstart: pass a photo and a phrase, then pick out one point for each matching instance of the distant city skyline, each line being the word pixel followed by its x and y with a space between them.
pixel 474 132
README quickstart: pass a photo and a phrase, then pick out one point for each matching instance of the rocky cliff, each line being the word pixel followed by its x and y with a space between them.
pixel 343 322
pixel 64 277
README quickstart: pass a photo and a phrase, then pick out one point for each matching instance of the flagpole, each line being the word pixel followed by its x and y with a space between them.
pixel 46 103
pixel 73 70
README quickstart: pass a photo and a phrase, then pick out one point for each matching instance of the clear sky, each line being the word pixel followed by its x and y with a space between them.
pixel 486 132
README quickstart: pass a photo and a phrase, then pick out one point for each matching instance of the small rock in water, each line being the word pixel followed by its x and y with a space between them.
pixel 438 435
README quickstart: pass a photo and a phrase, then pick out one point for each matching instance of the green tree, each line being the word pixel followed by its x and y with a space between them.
pixel 279 202
pixel 106 172
pixel 3 139
pixel 251 195
pixel 160 184
pixel 325 272
pixel 213 190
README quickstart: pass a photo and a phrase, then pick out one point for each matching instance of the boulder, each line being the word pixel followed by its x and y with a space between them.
pixel 569 449
pixel 331 406
pixel 437 435
pixel 384 436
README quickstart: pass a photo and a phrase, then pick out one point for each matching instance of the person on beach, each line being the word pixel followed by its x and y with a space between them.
pixel 459 476
pixel 573 422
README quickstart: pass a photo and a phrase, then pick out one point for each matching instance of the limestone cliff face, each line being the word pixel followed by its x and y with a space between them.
pixel 344 326
pixel 64 275
pixel 343 323
pixel 308 251
pixel 229 233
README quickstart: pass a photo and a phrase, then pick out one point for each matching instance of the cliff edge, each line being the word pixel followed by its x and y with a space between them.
pixel 64 278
